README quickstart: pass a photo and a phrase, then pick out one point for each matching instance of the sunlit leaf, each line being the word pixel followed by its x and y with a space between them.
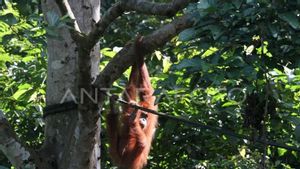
pixel 210 51
pixel 249 49
pixel 108 52
pixel 243 152
pixel 230 103
pixel 5 58
pixel 158 54
pixel 28 58
pixel 22 89
pixel 166 64
pixel 281 151
pixel 19 93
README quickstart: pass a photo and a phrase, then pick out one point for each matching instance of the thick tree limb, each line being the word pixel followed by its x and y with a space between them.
pixel 127 55
pixel 140 6
pixel 152 8
pixel 16 153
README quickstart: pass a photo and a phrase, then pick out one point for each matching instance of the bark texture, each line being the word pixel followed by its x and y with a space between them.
pixel 62 129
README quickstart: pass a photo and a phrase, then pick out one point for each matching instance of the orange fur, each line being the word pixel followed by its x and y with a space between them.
pixel 130 141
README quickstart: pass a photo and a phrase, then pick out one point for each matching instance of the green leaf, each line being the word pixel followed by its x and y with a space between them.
pixel 9 18
pixel 216 31
pixel 3 167
pixel 243 152
pixel 22 89
pixel 205 4
pixel 158 55
pixel 217 79
pixel 187 34
pixel 24 86
pixel 274 30
pixel 204 66
pixel 291 19
pixel 297 133
pixel 19 93
pixel 24 7
pixel 294 119
pixel 188 63
pixel 166 64
pixel 230 103
pixel 108 52
pixel 237 3
pixel 249 12
pixel 249 49
pixel 281 151
pixel 28 58
pixel 5 58
pixel 209 51
pixel 7 38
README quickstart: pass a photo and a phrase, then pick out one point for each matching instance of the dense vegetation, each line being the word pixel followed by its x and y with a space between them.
pixel 236 69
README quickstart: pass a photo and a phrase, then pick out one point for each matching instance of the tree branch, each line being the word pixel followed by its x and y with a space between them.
pixel 112 13
pixel 140 6
pixel 16 153
pixel 127 55
pixel 65 9
pixel 153 8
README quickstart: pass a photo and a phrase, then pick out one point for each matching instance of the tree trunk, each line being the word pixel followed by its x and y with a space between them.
pixel 62 128
pixel 72 134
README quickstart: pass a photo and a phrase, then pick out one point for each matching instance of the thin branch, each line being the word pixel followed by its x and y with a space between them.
pixel 16 153
pixel 65 9
pixel 127 55
pixel 113 13
pixel 153 8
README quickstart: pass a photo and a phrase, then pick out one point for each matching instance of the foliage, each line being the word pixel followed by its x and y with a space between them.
pixel 22 70
pixel 236 48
